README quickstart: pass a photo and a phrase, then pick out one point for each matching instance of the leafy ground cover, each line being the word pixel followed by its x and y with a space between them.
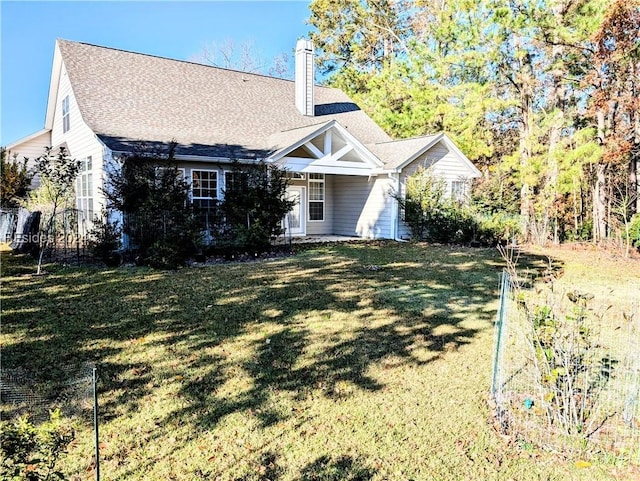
pixel 367 361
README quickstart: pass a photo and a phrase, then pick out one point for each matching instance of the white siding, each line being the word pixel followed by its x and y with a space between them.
pixel 31 149
pixel 79 139
pixel 362 207
pixel 445 163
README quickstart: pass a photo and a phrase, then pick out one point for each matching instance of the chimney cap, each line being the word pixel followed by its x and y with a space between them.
pixel 304 44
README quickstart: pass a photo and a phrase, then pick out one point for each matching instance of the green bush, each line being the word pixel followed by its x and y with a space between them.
pixel 253 207
pixel 634 231
pixel 498 228
pixel 163 255
pixel 105 239
pixel 571 367
pixel 450 223
pixel 422 202
pixel 15 180
pixel 160 225
pixel 29 452
pixel 584 232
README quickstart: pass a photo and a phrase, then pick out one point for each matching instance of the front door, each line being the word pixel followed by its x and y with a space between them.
pixel 294 221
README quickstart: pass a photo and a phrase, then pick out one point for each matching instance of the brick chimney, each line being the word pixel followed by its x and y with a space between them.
pixel 305 72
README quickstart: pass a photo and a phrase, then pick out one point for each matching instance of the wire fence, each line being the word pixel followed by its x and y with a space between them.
pixel 65 237
pixel 73 390
pixel 566 372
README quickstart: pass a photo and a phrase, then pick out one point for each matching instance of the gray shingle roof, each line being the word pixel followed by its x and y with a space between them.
pixel 129 97
pixel 395 152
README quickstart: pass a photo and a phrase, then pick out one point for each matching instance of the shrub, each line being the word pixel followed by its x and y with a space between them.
pixel 31 452
pixel 498 228
pixel 582 234
pixel 450 223
pixel 424 197
pixel 253 207
pixel 105 239
pixel 164 255
pixel 15 180
pixel 634 231
pixel 159 222
pixel 572 368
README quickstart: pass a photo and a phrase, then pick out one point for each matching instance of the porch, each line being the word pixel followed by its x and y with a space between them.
pixel 344 207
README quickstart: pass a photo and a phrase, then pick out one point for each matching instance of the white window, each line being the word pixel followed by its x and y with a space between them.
pixel 316 197
pixel 295 176
pixel 204 186
pixel 235 181
pixel 84 190
pixel 66 121
pixel 459 191
pixel 160 171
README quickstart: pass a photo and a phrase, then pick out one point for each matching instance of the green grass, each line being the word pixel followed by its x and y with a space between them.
pixel 313 367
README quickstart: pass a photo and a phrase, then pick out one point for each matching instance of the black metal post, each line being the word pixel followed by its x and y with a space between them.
pixel 95 421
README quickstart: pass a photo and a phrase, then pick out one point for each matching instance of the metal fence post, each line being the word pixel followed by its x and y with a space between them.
pixel 497 357
pixel 95 421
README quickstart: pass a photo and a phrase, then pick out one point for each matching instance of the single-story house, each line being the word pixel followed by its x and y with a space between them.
pixel 103 102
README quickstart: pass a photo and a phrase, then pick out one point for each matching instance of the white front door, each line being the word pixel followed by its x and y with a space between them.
pixel 294 223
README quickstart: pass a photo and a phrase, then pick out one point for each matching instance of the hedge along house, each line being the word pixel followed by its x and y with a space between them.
pixel 105 102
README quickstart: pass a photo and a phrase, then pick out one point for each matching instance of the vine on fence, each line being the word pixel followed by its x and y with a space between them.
pixel 571 368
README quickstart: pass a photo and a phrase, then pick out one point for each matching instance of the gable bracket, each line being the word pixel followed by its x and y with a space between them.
pixel 313 150
pixel 327 142
pixel 341 153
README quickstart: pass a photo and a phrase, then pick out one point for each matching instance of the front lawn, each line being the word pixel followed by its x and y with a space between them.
pixel 353 362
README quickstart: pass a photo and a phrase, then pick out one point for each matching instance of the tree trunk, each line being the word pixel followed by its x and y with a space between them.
pixel 558 103
pixel 634 176
pixel 599 191
pixel 526 100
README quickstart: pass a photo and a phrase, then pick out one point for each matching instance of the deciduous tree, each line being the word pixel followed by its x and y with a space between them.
pixel 15 180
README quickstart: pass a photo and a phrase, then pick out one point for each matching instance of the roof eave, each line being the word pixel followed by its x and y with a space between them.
pixel 195 158
pixel 475 173
pixel 56 72
pixel 420 151
pixel 279 154
pixel 27 138
pixel 358 146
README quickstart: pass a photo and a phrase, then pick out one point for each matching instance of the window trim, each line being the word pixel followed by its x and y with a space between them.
pixel 323 183
pixel 217 194
pixel 464 197
pixel 226 172
pixel 85 199
pixel 296 175
pixel 66 116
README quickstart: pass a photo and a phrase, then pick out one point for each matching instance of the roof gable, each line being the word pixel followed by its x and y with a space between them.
pixel 398 154
pixel 326 148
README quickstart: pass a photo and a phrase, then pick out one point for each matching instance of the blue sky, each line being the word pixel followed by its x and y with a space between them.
pixel 169 29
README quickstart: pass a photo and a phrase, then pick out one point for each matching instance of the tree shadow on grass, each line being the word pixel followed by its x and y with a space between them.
pixel 147 328
pixel 425 314
pixel 344 468
pixel 324 468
